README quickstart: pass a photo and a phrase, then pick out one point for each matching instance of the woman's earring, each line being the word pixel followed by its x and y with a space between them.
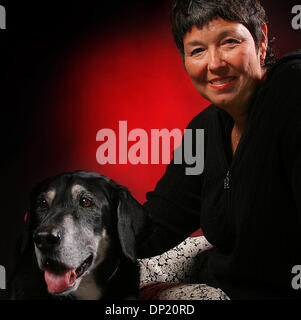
pixel 262 58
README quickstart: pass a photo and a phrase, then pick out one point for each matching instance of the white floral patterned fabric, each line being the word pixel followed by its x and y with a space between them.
pixel 170 276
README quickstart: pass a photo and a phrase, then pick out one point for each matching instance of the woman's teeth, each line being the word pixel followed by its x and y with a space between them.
pixel 221 81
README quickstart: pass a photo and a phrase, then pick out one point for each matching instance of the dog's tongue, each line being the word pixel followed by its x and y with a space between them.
pixel 59 282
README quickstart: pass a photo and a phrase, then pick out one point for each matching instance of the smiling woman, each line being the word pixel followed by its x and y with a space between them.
pixel 222 60
pixel 252 143
pixel 226 54
pixel 225 66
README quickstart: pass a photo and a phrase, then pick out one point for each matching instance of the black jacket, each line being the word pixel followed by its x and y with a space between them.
pixel 249 205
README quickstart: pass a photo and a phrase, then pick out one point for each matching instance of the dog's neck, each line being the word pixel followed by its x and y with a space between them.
pixel 89 289
pixel 115 271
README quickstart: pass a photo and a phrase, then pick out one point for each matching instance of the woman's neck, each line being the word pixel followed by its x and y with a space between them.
pixel 237 130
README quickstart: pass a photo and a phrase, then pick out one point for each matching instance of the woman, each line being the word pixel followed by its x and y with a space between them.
pixel 246 200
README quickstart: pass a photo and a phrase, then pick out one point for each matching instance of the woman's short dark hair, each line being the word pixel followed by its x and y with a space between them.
pixel 250 13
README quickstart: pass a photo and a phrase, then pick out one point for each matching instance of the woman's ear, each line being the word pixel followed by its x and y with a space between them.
pixel 263 44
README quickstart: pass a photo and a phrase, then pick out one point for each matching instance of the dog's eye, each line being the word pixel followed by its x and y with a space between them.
pixel 43 204
pixel 85 202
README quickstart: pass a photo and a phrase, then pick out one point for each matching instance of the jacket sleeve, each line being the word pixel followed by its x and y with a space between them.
pixel 284 108
pixel 291 143
pixel 173 207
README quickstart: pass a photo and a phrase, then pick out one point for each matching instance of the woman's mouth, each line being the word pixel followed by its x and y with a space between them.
pixel 221 83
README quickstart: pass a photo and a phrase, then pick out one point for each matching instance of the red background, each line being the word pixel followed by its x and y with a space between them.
pixel 129 71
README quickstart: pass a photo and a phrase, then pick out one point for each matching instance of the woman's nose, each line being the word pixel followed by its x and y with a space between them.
pixel 216 60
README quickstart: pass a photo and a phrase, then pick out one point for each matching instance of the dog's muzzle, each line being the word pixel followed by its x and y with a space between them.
pixel 59 277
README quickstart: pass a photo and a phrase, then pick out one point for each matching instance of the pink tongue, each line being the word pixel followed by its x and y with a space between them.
pixel 59 282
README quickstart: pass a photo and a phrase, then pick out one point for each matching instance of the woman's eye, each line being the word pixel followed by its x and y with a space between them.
pixel 43 204
pixel 196 51
pixel 232 41
pixel 85 202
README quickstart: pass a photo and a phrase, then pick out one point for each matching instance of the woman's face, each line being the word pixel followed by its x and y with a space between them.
pixel 223 63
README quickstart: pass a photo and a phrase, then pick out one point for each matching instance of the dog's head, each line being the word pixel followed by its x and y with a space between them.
pixel 76 219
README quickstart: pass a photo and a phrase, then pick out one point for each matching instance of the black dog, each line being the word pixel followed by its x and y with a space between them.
pixel 80 244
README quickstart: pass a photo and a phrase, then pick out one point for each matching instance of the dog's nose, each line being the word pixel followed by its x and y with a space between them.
pixel 47 238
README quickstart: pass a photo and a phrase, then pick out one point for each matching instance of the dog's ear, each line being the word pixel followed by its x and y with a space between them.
pixel 130 222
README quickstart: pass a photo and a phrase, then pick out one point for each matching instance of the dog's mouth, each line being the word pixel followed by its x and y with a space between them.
pixel 59 278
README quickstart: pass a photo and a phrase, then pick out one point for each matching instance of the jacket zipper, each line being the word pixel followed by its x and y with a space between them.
pixel 227 180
